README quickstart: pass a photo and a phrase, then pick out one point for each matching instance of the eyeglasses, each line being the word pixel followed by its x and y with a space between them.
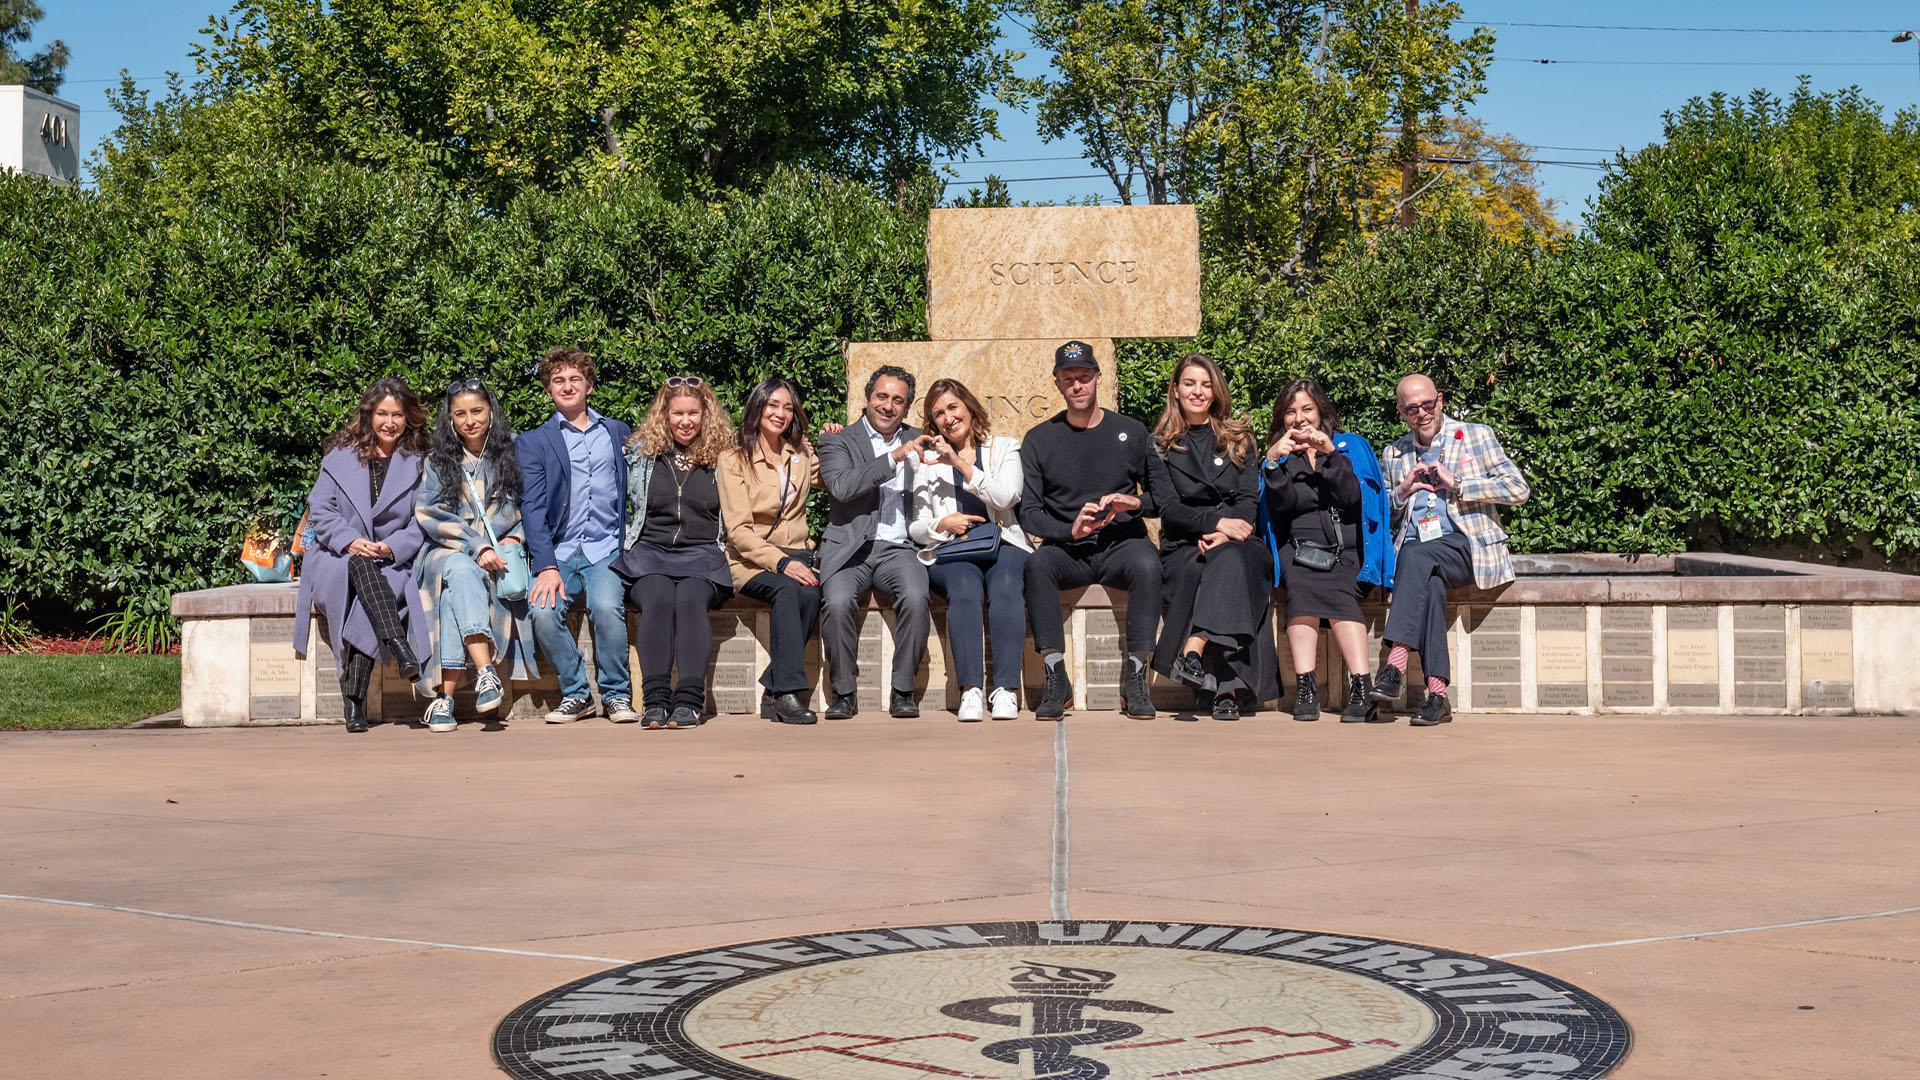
pixel 694 381
pixel 1416 408
pixel 462 386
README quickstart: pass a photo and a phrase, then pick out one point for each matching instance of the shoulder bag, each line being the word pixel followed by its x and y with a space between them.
pixel 516 580
pixel 1320 557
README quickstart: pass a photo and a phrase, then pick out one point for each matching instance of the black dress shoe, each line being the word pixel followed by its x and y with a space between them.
pixel 356 716
pixel 1436 711
pixel 1188 669
pixel 1226 707
pixel 903 706
pixel 787 709
pixel 842 706
pixel 1387 683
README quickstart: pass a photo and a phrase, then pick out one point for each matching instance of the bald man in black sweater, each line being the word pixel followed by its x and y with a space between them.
pixel 1085 497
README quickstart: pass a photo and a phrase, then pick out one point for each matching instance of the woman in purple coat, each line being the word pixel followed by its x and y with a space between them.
pixel 359 573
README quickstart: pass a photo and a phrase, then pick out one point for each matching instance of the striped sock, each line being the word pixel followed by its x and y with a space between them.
pixel 1397 658
pixel 1436 686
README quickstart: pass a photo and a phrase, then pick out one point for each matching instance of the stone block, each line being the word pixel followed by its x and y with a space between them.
pixel 1765 669
pixel 1826 695
pixel 1560 656
pixel 1758 644
pixel 1063 272
pixel 1626 669
pixel 1760 695
pixel 1826 617
pixel 1494 620
pixel 1496 696
pixel 1564 695
pixel 214 669
pixel 1616 643
pixel 1490 669
pixel 1560 619
pixel 1759 617
pixel 1495 645
pixel 1013 379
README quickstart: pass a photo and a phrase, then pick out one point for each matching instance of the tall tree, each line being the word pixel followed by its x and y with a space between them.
pixel 1464 168
pixel 701 96
pixel 1265 113
pixel 44 70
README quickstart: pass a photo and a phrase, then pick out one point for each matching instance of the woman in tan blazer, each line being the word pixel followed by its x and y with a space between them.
pixel 763 500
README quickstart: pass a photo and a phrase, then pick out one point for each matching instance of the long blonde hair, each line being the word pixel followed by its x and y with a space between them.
pixel 716 431
pixel 1233 433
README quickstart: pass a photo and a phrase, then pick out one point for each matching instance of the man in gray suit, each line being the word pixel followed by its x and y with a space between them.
pixel 866 469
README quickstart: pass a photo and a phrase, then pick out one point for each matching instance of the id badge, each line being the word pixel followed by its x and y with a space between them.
pixel 1428 527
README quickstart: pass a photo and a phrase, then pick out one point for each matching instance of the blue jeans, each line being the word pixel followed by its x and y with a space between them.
pixel 606 616
pixel 464 609
pixel 1001 590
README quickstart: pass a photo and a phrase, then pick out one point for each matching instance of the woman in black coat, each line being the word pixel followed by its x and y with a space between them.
pixel 1205 479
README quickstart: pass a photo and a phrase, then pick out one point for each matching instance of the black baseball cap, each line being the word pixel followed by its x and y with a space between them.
pixel 1074 354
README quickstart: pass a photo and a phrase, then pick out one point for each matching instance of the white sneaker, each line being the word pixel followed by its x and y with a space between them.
pixel 1004 703
pixel 440 714
pixel 970 705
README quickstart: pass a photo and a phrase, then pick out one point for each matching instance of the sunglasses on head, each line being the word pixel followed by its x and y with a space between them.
pixel 463 386
pixel 694 381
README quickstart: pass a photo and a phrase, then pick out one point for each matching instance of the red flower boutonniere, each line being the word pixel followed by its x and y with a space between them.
pixel 1459 434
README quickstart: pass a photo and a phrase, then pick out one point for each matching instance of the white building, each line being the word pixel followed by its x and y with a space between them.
pixel 39 133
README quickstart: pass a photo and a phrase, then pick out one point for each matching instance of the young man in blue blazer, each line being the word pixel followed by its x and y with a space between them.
pixel 574 504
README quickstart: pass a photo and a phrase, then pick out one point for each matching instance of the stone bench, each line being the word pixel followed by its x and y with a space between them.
pixel 1576 633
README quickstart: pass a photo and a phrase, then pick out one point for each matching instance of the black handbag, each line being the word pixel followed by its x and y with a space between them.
pixel 981 544
pixel 1320 557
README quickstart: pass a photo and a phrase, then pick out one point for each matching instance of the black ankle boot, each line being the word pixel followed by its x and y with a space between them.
pixel 1360 705
pixel 403 655
pixel 1306 697
pixel 356 715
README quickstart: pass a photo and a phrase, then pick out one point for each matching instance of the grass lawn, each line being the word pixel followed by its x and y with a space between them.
pixel 85 691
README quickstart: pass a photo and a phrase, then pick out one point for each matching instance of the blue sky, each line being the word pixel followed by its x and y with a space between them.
pixel 1607 89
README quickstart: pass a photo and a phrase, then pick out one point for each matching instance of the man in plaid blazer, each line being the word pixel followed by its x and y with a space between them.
pixel 1446 482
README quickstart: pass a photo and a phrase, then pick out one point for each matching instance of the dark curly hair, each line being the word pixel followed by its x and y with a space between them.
pixel 503 469
pixel 358 432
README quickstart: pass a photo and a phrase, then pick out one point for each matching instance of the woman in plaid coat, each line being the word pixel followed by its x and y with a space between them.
pixel 469 465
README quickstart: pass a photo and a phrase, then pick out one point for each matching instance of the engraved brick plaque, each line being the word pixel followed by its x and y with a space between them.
pixel 1693 618
pixel 1492 645
pixel 1496 620
pixel 1497 696
pixel 1063 272
pixel 1615 669
pixel 1826 657
pixel 1013 379
pixel 1560 618
pixel 1696 695
pixel 1626 618
pixel 1563 695
pixel 1628 695
pixel 1498 669
pixel 1760 617
pixel 273 671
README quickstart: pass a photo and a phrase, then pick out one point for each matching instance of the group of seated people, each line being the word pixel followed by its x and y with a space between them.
pixel 462 550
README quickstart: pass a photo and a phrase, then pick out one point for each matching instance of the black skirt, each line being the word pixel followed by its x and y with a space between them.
pixel 1322 594
pixel 705 561
pixel 1225 594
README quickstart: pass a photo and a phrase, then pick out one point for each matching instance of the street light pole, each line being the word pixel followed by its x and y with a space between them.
pixel 1910 35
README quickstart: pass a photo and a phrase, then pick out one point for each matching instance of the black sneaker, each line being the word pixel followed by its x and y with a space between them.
pixel 1437 710
pixel 1387 683
pixel 654 718
pixel 787 709
pixel 684 716
pixel 903 706
pixel 1057 696
pixel 1135 702
pixel 842 706
pixel 569 710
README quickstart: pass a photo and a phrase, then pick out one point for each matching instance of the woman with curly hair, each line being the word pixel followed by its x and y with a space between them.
pixel 358 574
pixel 676 559
pixel 1205 476
pixel 471 471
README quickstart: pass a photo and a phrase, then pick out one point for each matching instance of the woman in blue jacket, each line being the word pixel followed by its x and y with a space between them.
pixel 1324 515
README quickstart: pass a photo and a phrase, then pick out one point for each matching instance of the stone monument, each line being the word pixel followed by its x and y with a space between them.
pixel 39 134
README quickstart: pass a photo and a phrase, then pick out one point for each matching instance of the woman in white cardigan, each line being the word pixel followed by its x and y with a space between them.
pixel 972 478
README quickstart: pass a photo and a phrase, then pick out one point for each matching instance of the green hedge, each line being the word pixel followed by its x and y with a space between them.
pixel 170 379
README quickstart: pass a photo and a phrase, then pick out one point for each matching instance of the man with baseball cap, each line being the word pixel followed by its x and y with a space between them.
pixel 1085 496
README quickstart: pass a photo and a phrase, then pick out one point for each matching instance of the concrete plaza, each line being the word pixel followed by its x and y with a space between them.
pixel 1700 874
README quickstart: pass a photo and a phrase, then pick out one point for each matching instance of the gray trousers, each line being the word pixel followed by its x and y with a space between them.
pixel 895 571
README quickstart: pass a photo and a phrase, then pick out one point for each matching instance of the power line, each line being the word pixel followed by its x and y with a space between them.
pixel 1714 63
pixel 1693 29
